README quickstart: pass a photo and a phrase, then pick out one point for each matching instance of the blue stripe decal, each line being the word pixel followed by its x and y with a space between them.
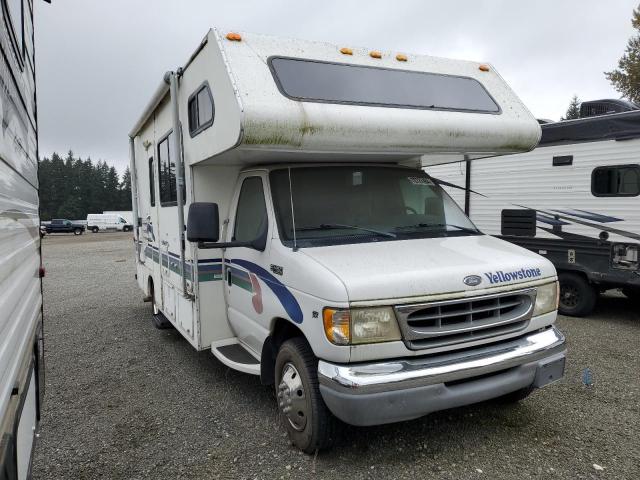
pixel 550 220
pixel 596 217
pixel 288 301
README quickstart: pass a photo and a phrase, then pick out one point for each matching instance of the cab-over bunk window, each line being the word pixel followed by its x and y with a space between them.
pixel 201 110
pixel 167 172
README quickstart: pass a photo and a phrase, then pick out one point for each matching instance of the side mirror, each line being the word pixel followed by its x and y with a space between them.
pixel 203 223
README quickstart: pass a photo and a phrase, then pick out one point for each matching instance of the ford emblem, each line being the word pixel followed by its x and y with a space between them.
pixel 472 280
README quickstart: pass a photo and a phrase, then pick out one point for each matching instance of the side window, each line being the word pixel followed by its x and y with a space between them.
pixel 251 214
pixel 167 172
pixel 152 183
pixel 616 181
pixel 201 110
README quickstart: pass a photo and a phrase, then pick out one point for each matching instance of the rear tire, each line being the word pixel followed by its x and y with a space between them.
pixel 77 231
pixel 95 229
pixel 577 296
pixel 309 423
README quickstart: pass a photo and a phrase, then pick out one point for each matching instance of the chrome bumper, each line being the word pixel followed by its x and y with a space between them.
pixel 396 390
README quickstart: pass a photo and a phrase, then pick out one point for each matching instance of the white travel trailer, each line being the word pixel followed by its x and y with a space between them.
pixel 316 253
pixel 575 199
pixel 104 222
pixel 21 340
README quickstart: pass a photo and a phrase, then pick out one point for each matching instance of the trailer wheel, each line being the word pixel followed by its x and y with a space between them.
pixel 95 229
pixel 309 423
pixel 577 296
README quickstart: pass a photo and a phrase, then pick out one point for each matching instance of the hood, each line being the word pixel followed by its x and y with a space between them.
pixel 431 266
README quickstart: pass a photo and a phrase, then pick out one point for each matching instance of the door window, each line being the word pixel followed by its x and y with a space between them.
pixel 251 214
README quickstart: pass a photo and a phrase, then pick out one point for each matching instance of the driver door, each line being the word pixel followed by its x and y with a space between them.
pixel 245 268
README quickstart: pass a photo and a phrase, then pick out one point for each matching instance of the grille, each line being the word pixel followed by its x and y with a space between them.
pixel 436 324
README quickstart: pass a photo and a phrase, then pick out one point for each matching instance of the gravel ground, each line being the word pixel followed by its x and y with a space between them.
pixel 125 400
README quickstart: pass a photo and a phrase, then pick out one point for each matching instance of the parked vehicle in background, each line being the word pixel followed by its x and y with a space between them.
pixel 126 214
pixel 102 222
pixel 21 338
pixel 60 225
pixel 317 254
pixel 574 199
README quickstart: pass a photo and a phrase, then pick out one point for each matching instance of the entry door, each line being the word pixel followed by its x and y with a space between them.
pixel 245 267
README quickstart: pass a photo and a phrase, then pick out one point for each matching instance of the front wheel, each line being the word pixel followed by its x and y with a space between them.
pixel 577 295
pixel 309 423
pixel 77 231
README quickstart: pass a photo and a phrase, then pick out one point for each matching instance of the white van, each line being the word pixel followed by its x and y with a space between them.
pixel 316 253
pixel 102 222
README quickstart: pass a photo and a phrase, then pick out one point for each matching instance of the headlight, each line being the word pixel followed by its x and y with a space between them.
pixel 546 299
pixel 360 325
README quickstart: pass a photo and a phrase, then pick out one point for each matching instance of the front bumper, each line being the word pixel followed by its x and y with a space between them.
pixel 407 388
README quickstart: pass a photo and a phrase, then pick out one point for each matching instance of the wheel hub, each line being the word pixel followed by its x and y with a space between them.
pixel 569 296
pixel 292 397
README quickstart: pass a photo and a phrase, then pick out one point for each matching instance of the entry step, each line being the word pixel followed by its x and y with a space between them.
pixel 235 356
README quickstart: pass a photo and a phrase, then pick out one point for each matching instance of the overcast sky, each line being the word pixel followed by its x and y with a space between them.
pixel 98 62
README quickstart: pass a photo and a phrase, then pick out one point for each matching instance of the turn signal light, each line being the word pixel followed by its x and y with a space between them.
pixel 234 37
pixel 337 326
pixel 346 51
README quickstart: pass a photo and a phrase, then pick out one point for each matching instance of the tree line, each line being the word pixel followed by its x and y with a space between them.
pixel 71 187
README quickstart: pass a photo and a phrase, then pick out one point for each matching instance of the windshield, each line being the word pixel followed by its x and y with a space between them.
pixel 352 204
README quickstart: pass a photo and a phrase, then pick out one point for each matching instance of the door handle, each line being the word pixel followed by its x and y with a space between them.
pixel 229 276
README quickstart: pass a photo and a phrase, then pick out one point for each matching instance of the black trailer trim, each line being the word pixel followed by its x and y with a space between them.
pixel 617 126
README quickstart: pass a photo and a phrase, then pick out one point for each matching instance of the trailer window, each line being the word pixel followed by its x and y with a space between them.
pixel 616 181
pixel 251 214
pixel 167 172
pixel 14 8
pixel 315 81
pixel 152 186
pixel 201 110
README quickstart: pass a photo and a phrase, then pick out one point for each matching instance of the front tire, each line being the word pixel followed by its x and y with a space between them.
pixel 309 423
pixel 577 296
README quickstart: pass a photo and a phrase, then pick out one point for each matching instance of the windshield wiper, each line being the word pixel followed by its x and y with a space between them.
pixel 436 225
pixel 334 226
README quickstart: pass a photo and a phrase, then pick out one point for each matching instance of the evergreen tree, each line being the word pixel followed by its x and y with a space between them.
pixel 574 109
pixel 626 78
pixel 72 188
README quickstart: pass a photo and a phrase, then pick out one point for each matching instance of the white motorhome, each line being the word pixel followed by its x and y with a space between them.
pixel 285 224
pixel 21 338
pixel 104 222
pixel 574 199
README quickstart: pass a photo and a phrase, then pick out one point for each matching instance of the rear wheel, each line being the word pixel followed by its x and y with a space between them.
pixel 77 231
pixel 577 295
pixel 95 229
pixel 309 423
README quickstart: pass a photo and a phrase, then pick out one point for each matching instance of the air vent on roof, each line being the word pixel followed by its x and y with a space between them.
pixel 605 107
